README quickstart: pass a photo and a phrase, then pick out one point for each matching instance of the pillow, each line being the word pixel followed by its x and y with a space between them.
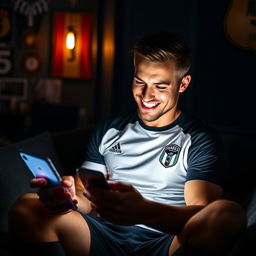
pixel 70 146
pixel 245 243
pixel 251 211
pixel 14 175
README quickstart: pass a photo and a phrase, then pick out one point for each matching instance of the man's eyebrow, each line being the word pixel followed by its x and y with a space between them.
pixel 137 77
pixel 167 82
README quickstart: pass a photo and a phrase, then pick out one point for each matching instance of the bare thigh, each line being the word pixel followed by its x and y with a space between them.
pixel 74 234
pixel 175 244
pixel 212 229
pixel 30 221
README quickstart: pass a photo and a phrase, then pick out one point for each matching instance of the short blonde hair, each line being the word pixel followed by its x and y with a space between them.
pixel 165 47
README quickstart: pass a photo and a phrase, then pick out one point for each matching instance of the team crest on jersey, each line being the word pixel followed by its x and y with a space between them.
pixel 170 155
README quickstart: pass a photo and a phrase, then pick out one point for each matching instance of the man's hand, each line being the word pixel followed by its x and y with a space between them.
pixel 122 204
pixel 58 199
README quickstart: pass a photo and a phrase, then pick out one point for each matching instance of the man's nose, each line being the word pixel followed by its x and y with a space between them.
pixel 148 93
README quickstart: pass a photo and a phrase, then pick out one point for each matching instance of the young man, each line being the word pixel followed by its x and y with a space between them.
pixel 164 171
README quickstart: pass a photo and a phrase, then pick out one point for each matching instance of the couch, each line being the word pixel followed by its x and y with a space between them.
pixel 66 149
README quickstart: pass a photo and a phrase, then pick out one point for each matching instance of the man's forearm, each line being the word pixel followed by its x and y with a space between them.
pixel 166 218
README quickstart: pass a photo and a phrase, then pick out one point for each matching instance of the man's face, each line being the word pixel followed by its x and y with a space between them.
pixel 156 92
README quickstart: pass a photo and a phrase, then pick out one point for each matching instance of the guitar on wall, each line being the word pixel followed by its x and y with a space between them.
pixel 240 23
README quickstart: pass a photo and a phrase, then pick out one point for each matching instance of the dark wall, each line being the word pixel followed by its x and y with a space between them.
pixel 223 85
pixel 74 91
pixel 77 95
pixel 224 74
pixel 222 88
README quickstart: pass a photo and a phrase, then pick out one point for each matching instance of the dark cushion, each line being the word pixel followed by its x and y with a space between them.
pixel 239 166
pixel 14 175
pixel 251 211
pixel 245 245
pixel 70 146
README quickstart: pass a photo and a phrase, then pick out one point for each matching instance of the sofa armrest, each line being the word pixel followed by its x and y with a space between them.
pixel 14 175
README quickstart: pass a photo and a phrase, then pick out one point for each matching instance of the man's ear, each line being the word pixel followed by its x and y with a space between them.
pixel 184 83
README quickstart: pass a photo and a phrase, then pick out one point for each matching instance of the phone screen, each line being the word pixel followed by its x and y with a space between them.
pixel 44 168
pixel 41 167
pixel 94 178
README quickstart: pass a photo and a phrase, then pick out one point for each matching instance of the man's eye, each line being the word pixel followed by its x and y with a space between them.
pixel 139 82
pixel 161 87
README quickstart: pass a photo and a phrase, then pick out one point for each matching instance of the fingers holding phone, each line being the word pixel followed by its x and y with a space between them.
pixel 92 178
pixel 56 193
pixel 59 199
pixel 95 184
pixel 38 182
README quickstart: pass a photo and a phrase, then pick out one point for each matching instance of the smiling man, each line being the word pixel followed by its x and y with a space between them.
pixel 156 91
pixel 163 166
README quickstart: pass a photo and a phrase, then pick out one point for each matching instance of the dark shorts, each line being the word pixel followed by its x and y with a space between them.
pixel 116 240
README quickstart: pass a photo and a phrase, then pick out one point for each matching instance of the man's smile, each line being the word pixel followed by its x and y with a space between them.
pixel 149 105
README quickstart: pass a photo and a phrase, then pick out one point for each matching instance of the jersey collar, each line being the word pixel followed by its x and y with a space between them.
pixel 178 121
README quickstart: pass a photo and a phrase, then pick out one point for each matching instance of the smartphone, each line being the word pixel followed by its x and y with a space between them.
pixel 43 167
pixel 94 178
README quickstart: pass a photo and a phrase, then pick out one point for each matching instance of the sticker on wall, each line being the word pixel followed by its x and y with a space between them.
pixel 31 63
pixel 29 37
pixel 5 25
pixel 240 23
pixel 13 88
pixel 47 90
pixel 31 9
pixel 6 65
pixel 71 56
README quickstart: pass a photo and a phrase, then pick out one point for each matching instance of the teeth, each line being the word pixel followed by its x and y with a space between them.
pixel 149 105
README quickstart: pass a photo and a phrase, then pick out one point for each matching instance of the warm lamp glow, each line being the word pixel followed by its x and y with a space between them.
pixel 70 40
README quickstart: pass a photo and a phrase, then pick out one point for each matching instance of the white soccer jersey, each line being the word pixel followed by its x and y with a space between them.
pixel 156 161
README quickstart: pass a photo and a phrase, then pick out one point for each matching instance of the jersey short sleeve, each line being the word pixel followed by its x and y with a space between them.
pixel 93 158
pixel 205 156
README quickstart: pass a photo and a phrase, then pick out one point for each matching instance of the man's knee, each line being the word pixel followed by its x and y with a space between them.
pixel 24 206
pixel 215 226
pixel 227 214
pixel 222 217
pixel 23 213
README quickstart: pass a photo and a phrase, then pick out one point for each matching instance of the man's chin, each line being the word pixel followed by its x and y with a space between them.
pixel 147 117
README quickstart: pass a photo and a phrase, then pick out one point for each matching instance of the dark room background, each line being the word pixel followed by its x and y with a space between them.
pixel 222 92
pixel 223 82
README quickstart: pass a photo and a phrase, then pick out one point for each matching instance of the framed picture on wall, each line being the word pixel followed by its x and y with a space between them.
pixel 13 88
